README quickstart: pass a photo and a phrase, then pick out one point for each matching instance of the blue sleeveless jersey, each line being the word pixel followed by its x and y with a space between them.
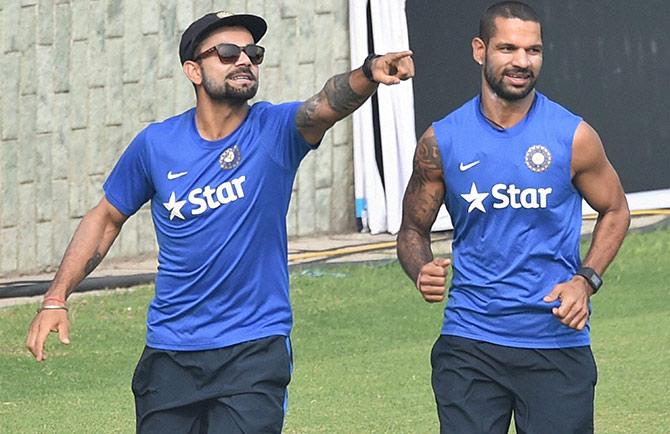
pixel 517 223
pixel 219 211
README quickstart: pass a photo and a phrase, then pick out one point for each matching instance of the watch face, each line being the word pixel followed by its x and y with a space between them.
pixel 594 280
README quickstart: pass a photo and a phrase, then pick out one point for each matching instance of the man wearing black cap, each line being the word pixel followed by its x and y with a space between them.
pixel 219 177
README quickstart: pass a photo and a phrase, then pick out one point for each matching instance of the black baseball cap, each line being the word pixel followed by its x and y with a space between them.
pixel 202 27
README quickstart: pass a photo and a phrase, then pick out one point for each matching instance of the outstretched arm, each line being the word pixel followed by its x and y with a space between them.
pixel 423 197
pixel 596 179
pixel 90 243
pixel 344 93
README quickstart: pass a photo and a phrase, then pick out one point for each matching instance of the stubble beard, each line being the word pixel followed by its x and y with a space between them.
pixel 225 93
pixel 508 93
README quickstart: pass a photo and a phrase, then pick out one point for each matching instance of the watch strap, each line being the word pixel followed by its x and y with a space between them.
pixel 367 66
pixel 593 278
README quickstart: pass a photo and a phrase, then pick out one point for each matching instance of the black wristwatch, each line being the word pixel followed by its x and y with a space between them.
pixel 592 277
pixel 367 66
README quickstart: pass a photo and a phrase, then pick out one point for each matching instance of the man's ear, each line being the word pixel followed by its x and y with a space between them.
pixel 478 50
pixel 193 72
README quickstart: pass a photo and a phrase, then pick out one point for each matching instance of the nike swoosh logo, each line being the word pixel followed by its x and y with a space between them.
pixel 465 167
pixel 172 176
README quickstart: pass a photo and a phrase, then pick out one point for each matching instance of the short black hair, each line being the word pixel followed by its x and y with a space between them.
pixel 505 9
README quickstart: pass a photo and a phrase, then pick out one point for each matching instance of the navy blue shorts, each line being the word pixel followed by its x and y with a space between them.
pixel 479 385
pixel 237 389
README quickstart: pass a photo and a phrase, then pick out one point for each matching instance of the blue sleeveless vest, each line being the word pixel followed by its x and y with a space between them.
pixel 517 222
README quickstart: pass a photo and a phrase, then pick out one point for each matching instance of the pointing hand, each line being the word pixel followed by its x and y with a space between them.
pixel 392 68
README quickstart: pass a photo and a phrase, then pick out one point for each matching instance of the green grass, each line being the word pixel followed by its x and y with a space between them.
pixel 362 339
pixel 631 338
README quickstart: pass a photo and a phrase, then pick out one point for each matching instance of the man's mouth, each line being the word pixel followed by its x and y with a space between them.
pixel 242 77
pixel 519 77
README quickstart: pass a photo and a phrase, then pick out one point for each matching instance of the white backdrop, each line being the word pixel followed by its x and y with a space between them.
pixel 380 205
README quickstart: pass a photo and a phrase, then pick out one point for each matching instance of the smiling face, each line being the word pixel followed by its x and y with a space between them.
pixel 512 59
pixel 235 82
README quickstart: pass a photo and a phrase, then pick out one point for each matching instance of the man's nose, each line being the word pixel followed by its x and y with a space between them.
pixel 243 59
pixel 521 59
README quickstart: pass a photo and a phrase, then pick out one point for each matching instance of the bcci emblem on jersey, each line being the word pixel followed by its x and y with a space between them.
pixel 538 158
pixel 230 158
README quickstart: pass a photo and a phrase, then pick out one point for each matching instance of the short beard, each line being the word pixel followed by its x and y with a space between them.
pixel 227 93
pixel 505 92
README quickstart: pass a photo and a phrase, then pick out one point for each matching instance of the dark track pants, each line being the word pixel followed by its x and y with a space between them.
pixel 479 385
pixel 237 389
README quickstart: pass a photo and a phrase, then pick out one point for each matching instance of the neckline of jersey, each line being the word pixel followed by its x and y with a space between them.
pixel 215 144
pixel 515 130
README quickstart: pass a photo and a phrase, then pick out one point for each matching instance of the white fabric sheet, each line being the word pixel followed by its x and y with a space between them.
pixel 380 206
pixel 368 189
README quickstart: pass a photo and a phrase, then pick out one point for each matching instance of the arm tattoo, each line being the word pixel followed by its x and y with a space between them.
pixel 92 263
pixel 341 97
pixel 427 164
pixel 423 197
pixel 425 202
pixel 305 118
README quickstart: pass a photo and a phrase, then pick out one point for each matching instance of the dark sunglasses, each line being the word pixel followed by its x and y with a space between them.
pixel 229 53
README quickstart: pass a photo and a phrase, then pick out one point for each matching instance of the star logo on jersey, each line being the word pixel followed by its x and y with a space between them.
pixel 538 158
pixel 230 158
pixel 475 199
pixel 175 206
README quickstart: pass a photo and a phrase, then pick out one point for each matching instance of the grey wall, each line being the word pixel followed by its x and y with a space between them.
pixel 606 60
pixel 80 78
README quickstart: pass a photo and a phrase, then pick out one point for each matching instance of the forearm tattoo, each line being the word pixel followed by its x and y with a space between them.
pixel 423 197
pixel 92 263
pixel 339 96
